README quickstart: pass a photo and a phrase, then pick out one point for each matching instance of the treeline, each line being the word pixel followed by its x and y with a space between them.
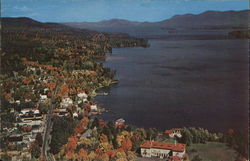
pixel 237 140
pixel 242 34
pixel 233 138
pixel 198 135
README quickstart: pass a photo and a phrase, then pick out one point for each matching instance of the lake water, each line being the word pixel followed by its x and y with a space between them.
pixel 180 83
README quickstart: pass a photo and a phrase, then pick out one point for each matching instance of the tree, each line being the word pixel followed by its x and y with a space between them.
pixel 72 143
pixel 126 144
pixel 186 137
pixel 151 133
pixel 82 156
pixel 39 139
pixel 35 149
pixel 197 158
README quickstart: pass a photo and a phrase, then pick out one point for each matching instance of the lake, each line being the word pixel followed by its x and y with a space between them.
pixel 180 83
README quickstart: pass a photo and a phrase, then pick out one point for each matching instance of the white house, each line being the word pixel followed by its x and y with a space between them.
pixel 27 110
pixel 75 115
pixel 66 102
pixel 120 121
pixel 27 100
pixel 43 97
pixel 82 95
pixel 93 107
pixel 18 102
pixel 163 150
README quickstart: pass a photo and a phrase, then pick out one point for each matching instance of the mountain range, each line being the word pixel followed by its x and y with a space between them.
pixel 205 20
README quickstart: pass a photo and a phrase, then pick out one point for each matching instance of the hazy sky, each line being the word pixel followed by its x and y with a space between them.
pixel 97 10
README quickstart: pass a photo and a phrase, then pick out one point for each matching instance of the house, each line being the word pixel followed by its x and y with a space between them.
pixel 17 139
pixel 93 108
pixel 173 132
pixel 26 111
pixel 163 150
pixel 120 122
pixel 27 100
pixel 18 102
pixel 75 115
pixel 82 95
pixel 66 102
pixel 43 97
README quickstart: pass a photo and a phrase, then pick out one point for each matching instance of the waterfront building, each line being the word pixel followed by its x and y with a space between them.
pixel 163 150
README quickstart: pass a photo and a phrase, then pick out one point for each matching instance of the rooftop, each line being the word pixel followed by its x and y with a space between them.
pixel 159 145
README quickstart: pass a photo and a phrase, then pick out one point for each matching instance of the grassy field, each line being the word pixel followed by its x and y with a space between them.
pixel 212 151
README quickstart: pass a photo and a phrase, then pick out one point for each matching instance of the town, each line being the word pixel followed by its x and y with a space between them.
pixel 49 79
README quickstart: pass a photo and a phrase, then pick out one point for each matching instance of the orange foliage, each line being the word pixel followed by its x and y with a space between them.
pixel 82 156
pixel 126 144
pixel 111 153
pixel 70 155
pixel 51 85
pixel 49 95
pixel 85 121
pixel 103 138
pixel 64 90
pixel 72 144
pixel 27 80
pixel 79 129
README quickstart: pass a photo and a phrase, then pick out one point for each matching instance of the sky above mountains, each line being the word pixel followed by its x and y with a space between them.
pixel 98 10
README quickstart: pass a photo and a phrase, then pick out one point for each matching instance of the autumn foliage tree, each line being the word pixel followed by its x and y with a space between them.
pixel 82 155
pixel 126 144
pixel 72 143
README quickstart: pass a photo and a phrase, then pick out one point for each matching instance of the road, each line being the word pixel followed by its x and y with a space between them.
pixel 48 129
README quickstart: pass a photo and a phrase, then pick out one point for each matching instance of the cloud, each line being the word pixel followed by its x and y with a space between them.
pixel 22 8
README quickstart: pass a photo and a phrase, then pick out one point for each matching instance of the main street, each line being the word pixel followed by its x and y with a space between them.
pixel 48 129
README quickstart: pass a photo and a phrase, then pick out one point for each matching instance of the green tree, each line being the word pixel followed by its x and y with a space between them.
pixel 197 158
pixel 39 139
pixel 35 150
pixel 187 137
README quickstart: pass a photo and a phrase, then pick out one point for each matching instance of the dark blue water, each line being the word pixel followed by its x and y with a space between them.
pixel 201 83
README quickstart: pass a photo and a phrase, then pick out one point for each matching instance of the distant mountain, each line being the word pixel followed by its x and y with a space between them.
pixel 206 20
pixel 209 19
pixel 30 24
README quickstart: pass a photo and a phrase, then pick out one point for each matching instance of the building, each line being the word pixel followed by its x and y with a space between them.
pixel 66 102
pixel 163 150
pixel 120 123
pixel 173 132
pixel 82 95
pixel 93 108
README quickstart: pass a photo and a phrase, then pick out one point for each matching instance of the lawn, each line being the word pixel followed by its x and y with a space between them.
pixel 212 151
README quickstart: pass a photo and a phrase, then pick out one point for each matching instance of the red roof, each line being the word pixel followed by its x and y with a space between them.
pixel 174 158
pixel 159 145
pixel 168 131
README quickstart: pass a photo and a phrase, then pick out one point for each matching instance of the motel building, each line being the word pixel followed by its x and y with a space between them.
pixel 170 151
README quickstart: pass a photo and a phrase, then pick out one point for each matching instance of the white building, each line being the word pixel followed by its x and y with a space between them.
pixel 66 102
pixel 43 97
pixel 93 107
pixel 27 110
pixel 75 115
pixel 163 150
pixel 82 95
